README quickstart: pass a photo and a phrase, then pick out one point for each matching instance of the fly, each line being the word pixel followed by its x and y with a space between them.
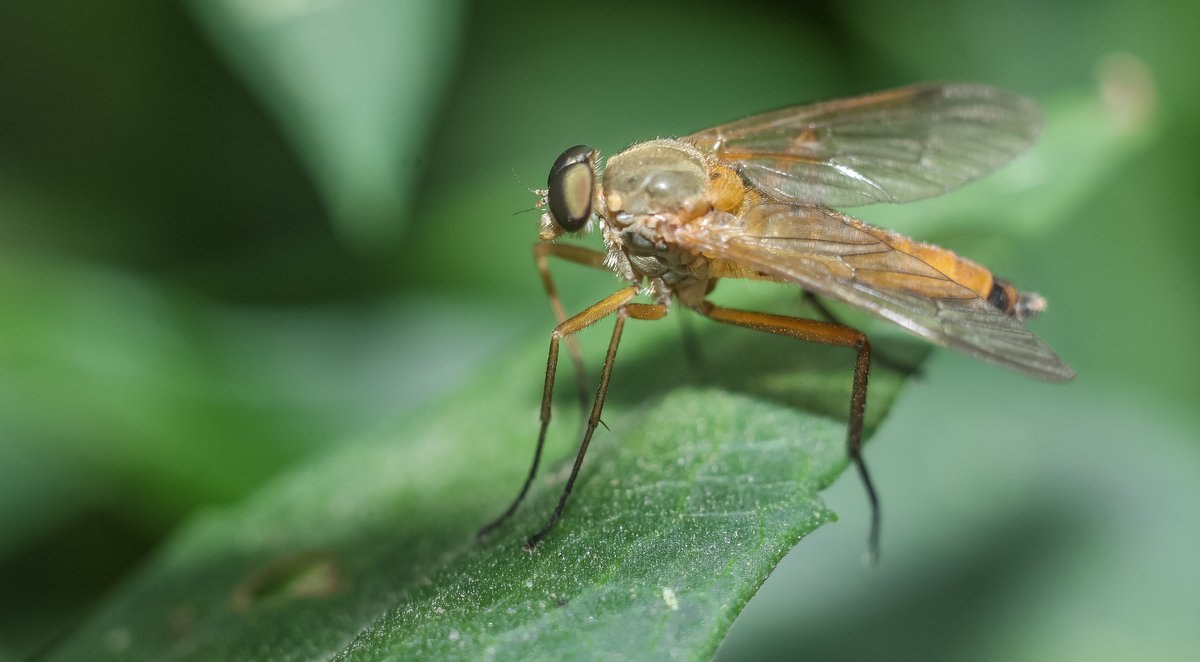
pixel 754 199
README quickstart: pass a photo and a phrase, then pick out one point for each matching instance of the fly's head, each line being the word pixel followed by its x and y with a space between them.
pixel 570 194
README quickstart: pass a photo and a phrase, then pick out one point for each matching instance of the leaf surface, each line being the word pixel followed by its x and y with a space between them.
pixel 684 506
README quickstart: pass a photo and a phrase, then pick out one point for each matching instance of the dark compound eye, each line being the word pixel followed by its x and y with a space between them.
pixel 570 186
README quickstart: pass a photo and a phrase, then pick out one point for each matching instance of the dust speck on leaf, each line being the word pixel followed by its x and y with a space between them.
pixel 670 600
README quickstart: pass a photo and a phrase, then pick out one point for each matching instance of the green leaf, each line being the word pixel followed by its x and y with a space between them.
pixel 683 508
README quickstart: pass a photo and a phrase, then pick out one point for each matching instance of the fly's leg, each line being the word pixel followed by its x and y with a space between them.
pixel 579 255
pixel 829 334
pixel 881 358
pixel 566 329
pixel 636 311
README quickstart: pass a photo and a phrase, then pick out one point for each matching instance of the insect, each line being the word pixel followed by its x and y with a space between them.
pixel 754 199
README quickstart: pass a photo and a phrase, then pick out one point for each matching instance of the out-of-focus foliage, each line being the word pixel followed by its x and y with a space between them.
pixel 355 85
pixel 228 244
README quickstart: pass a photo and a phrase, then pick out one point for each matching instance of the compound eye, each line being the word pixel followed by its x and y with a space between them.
pixel 570 187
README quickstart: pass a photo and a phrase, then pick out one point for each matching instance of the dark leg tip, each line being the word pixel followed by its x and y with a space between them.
pixel 489 527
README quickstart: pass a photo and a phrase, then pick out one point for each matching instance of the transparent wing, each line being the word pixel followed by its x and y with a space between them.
pixel 895 146
pixel 917 286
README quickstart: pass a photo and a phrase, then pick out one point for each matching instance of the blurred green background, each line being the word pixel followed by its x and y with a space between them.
pixel 234 233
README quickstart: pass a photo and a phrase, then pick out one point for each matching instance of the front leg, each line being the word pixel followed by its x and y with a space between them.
pixel 579 255
pixel 566 329
pixel 637 311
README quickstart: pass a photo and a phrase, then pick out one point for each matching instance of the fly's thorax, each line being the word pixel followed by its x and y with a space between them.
pixel 649 190
pixel 656 181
